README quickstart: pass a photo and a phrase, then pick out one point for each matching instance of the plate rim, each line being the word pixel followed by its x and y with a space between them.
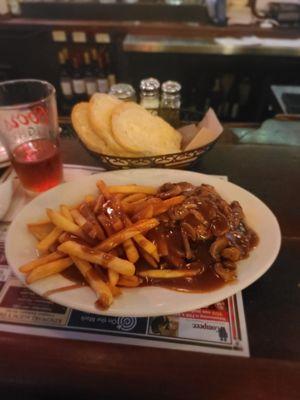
pixel 230 287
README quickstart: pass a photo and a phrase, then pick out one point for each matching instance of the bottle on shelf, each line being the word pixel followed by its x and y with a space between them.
pixel 78 83
pixel 149 94
pixel 98 71
pixel 68 62
pixel 111 77
pixel 123 91
pixel 64 78
pixel 170 102
pixel 89 78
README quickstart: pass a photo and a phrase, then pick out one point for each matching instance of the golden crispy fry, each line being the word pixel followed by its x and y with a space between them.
pixel 106 260
pixel 64 237
pixel 137 206
pixel 129 281
pixel 130 208
pixel 85 225
pixel 143 242
pixel 167 273
pixel 145 213
pixel 64 210
pixel 103 189
pixel 150 260
pixel 40 229
pixel 86 211
pixel 63 223
pixel 146 245
pixel 99 203
pixel 113 277
pixel 40 261
pixel 90 198
pixel 127 233
pixel 45 270
pixel 134 197
pixel 166 204
pixel 119 196
pixel 104 294
pixel 117 224
pixel 106 224
pixel 131 251
pixel 49 240
pixel 132 189
pixel 116 291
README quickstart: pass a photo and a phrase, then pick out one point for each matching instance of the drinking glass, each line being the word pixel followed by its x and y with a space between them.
pixel 29 131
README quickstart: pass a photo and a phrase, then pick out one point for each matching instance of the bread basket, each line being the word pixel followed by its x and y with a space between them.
pixel 198 138
pixel 180 160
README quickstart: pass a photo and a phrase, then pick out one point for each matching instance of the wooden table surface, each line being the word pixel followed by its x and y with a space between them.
pixel 38 368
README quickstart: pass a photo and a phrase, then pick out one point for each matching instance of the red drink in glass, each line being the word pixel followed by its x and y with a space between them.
pixel 38 164
pixel 29 131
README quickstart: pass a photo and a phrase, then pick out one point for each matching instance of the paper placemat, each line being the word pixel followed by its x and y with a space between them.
pixel 217 329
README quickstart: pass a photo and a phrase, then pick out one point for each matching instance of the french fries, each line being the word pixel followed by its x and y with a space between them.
pixel 63 223
pixel 113 277
pixel 145 213
pixel 130 250
pixel 64 210
pixel 134 197
pixel 104 190
pixel 129 281
pixel 127 233
pixel 40 229
pixel 105 237
pixel 49 240
pixel 103 293
pixel 166 204
pixel 48 269
pixel 167 273
pixel 40 261
pixel 132 189
pixel 96 256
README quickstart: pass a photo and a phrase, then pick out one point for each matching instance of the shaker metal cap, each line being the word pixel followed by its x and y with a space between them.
pixel 171 87
pixel 122 90
pixel 149 84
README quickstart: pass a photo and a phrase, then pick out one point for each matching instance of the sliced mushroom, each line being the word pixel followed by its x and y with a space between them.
pixel 199 216
pixel 180 211
pixel 169 190
pixel 229 264
pixel 202 232
pixel 231 253
pixel 217 247
pixel 225 273
pixel 186 243
pixel 219 225
pixel 190 230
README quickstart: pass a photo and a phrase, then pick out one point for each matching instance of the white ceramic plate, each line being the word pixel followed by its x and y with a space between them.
pixel 146 301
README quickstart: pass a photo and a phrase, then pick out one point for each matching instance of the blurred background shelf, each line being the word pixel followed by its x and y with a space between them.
pixel 181 29
pixel 166 44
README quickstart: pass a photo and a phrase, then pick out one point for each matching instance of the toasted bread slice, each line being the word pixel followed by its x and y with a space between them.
pixel 81 124
pixel 139 131
pixel 101 106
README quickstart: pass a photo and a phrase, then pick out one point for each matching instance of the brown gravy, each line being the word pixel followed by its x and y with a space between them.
pixel 73 275
pixel 205 281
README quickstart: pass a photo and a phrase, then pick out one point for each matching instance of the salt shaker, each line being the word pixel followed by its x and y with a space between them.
pixel 170 102
pixel 123 91
pixel 149 94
